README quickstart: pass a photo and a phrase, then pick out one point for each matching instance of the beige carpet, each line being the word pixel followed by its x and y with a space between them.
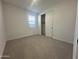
pixel 37 47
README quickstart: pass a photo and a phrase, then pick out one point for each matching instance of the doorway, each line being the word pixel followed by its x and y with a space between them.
pixel 43 24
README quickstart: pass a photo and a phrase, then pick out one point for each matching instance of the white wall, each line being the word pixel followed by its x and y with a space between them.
pixel 16 22
pixel 63 20
pixel 2 32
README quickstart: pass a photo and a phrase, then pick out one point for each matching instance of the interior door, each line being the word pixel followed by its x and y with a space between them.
pixel 75 44
pixel 49 24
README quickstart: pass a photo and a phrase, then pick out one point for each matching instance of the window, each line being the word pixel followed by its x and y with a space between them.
pixel 31 21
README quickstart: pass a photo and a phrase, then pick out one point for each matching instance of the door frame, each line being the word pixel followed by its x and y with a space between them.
pixel 43 24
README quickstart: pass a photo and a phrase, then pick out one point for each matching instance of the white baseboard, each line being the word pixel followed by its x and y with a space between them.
pixel 62 40
pixel 22 36
pixel 39 34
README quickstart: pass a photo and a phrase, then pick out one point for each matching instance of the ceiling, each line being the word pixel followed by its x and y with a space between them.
pixel 33 5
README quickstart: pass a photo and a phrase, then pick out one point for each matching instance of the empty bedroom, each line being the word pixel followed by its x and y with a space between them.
pixel 38 29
